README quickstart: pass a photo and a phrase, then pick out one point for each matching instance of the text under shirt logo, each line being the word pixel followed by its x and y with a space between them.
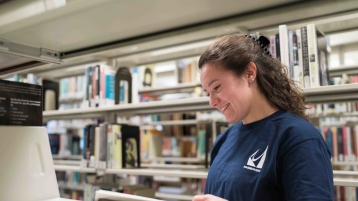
pixel 252 160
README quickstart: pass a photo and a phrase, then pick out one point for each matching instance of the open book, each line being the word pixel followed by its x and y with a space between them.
pixel 102 195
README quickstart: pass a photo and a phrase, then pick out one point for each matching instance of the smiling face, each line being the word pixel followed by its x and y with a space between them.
pixel 230 94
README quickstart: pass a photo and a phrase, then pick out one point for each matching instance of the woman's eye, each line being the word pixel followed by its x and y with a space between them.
pixel 207 94
pixel 217 87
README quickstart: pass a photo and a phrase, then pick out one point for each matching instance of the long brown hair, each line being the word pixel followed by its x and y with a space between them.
pixel 235 52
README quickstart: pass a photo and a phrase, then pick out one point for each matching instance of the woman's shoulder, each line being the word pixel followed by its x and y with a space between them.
pixel 289 120
pixel 292 127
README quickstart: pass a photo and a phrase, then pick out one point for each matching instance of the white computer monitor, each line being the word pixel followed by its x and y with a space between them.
pixel 26 168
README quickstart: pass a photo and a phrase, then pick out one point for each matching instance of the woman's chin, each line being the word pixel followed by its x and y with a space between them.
pixel 229 119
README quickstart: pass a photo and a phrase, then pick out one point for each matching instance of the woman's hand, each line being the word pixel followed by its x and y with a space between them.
pixel 207 197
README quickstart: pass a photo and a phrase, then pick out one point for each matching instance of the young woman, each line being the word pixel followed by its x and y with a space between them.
pixel 272 152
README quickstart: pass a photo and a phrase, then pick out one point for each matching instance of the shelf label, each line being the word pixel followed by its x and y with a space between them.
pixel 20 104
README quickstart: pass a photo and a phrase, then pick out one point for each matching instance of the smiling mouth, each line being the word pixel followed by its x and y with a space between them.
pixel 224 108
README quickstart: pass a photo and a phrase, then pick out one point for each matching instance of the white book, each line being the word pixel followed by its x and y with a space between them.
pixel 96 146
pixel 313 57
pixel 284 54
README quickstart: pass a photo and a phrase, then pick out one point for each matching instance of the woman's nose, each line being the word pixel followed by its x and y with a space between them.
pixel 213 100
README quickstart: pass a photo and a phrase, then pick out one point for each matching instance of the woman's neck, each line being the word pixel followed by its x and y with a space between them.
pixel 259 109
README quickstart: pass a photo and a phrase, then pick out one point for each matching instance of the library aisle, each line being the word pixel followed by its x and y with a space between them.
pixel 114 87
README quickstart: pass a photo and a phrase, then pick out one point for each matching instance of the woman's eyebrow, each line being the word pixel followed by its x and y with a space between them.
pixel 210 83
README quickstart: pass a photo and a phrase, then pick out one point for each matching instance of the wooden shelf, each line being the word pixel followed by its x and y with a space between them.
pixel 342 163
pixel 173 166
pixel 345 173
pixel 145 172
pixel 332 93
pixel 338 71
pixel 178 159
pixel 190 104
pixel 70 100
pixel 199 174
pixel 177 87
pixel 345 114
pixel 324 94
pixel 177 122
pixel 72 157
pixel 71 187
pixel 345 182
pixel 67 162
pixel 74 169
pixel 145 165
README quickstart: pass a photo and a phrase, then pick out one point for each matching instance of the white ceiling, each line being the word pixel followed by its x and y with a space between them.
pixel 85 23
pixel 132 30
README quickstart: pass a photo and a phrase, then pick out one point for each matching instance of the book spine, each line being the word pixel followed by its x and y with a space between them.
pixel 117 147
pixel 300 58
pixel 278 51
pixel 329 140
pixel 98 86
pixel 102 92
pixel 96 147
pixel 90 87
pixel 291 54
pixel 109 147
pixel 110 86
pixel 296 70
pixel 284 53
pixel 323 58
pixel 334 144
pixel 349 143
pixel 273 46
pixel 340 143
pixel 345 143
pixel 313 58
pixel 355 139
pixel 103 146
pixel 305 58
pixel 91 146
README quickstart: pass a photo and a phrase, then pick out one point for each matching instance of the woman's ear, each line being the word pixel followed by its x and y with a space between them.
pixel 250 72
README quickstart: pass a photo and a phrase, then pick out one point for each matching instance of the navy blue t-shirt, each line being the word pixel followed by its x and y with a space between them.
pixel 281 157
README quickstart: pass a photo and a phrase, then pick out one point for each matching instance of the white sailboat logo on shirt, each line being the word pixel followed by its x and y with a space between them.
pixel 262 158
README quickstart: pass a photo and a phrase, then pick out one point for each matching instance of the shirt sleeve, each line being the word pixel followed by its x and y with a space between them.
pixel 305 172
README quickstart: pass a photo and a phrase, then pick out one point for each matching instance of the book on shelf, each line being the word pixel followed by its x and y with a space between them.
pixel 299 67
pixel 273 46
pixel 187 70
pixel 284 51
pixel 99 83
pixel 50 95
pixel 313 57
pixel 111 146
pixel 342 142
pixel 323 52
pixel 123 86
pixel 304 52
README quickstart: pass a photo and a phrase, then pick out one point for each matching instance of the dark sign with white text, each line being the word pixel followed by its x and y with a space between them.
pixel 20 104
